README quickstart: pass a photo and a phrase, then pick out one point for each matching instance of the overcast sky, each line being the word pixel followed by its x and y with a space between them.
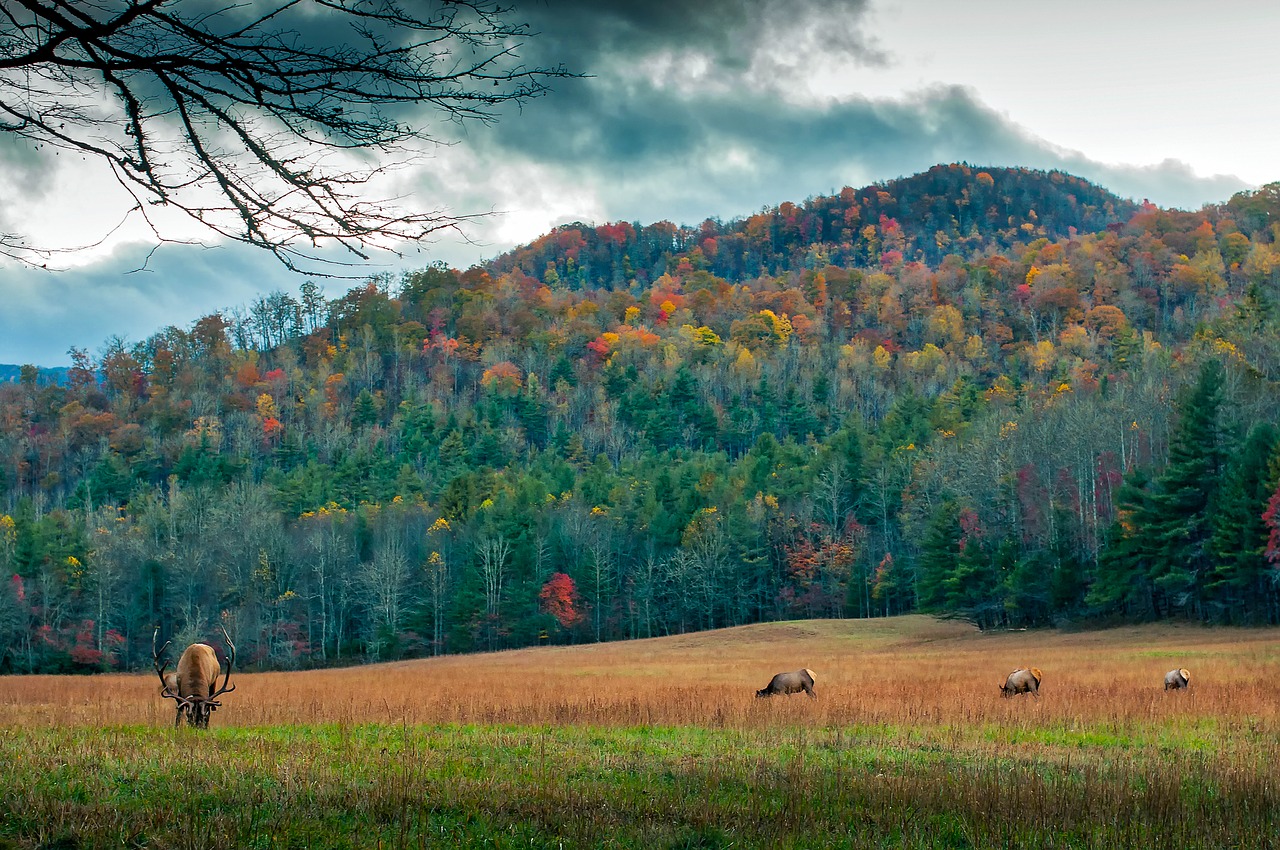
pixel 717 108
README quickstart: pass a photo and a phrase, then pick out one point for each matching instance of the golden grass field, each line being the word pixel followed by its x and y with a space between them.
pixel 909 670
pixel 661 743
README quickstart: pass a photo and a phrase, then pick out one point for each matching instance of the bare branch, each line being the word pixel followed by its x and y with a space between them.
pixel 265 121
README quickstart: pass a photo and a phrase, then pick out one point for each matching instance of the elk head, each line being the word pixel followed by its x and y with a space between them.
pixel 194 687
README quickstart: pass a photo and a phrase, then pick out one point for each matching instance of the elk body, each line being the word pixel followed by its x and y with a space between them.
pixel 194 686
pixel 789 683
pixel 1176 680
pixel 1024 680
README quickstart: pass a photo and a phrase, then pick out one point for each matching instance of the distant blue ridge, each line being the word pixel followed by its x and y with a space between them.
pixel 9 374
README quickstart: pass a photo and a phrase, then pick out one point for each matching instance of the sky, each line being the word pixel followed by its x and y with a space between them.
pixel 717 109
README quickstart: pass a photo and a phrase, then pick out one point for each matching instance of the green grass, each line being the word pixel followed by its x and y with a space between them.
pixel 496 786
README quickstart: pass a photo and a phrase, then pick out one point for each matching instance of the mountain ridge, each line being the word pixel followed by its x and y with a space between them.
pixel 12 373
pixel 949 209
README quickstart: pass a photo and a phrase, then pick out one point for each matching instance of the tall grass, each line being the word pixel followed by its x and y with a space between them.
pixel 662 743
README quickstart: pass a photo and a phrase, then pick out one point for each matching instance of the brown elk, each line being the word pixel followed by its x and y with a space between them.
pixel 1176 680
pixel 194 687
pixel 1024 680
pixel 790 683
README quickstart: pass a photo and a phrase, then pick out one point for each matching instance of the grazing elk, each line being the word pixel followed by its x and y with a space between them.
pixel 1176 680
pixel 194 687
pixel 1024 680
pixel 789 683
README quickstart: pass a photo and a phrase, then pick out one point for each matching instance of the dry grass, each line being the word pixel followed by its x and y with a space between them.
pixel 661 743
pixel 908 671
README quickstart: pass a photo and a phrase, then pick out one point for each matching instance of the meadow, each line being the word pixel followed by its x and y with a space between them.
pixel 661 743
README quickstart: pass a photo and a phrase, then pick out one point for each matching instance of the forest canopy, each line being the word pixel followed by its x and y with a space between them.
pixel 996 394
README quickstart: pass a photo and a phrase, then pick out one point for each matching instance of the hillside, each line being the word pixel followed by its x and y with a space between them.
pixel 1045 426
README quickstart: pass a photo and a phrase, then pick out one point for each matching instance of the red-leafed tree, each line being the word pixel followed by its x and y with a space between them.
pixel 559 598
pixel 1271 517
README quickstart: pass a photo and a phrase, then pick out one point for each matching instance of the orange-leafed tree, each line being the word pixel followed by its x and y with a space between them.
pixel 504 378
pixel 559 598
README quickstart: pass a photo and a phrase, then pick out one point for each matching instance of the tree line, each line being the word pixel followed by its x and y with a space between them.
pixel 1074 426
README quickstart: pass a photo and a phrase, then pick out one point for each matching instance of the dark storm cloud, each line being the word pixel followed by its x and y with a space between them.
pixel 733 53
pixel 687 157
pixel 589 37
pixel 695 110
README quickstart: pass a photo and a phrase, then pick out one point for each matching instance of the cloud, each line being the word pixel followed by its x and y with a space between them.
pixel 1170 183
pixel 659 154
pixel 48 312
pixel 700 110
pixel 734 36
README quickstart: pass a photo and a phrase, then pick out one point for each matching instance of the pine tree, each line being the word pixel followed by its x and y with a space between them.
pixel 939 557
pixel 1123 583
pixel 973 589
pixel 1238 586
pixel 1069 581
pixel 1183 501
pixel 1030 588
pixel 363 410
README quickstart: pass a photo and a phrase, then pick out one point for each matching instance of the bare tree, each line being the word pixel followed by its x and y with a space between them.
pixel 493 553
pixel 262 120
pixel 383 580
pixel 603 571
pixel 436 568
pixel 331 553
pixel 829 497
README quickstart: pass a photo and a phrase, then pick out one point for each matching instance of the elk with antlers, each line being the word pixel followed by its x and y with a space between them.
pixel 194 686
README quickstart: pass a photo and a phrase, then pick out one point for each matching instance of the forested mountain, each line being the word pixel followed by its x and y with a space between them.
pixel 998 394
pixel 946 210
pixel 10 372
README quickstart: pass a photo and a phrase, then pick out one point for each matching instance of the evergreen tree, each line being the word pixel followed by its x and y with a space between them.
pixel 1069 580
pixel 1238 587
pixel 363 410
pixel 908 422
pixel 973 589
pixel 842 457
pixel 939 557
pixel 1183 502
pixel 1030 582
pixel 1123 584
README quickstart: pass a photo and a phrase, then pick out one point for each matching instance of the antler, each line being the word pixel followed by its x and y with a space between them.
pixel 231 661
pixel 160 668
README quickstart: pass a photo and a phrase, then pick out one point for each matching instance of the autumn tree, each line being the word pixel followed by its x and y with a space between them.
pixel 559 598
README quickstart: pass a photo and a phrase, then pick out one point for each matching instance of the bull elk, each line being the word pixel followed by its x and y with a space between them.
pixel 1024 680
pixel 789 683
pixel 194 686
pixel 1176 680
